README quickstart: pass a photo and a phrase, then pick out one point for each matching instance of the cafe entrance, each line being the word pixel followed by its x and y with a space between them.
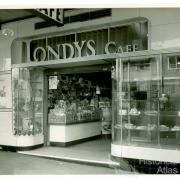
pixel 79 105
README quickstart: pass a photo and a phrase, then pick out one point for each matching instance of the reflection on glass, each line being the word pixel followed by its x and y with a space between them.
pixel 169 112
pixel 138 103
pixel 172 62
pixel 178 61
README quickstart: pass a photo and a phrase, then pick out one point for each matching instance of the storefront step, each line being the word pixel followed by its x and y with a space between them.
pixel 110 164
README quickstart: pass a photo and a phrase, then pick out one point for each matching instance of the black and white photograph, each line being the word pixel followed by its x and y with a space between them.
pixel 90 90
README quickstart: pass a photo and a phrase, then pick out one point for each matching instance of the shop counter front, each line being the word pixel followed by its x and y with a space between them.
pixel 64 134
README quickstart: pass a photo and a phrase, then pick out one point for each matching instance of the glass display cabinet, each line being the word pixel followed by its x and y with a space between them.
pixel 27 101
pixel 147 101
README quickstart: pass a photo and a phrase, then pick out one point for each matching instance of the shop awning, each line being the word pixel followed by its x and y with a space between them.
pixel 11 15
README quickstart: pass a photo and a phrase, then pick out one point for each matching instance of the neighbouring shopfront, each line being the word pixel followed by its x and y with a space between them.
pixel 104 82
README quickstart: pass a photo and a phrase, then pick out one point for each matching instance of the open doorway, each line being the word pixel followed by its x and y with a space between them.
pixel 79 109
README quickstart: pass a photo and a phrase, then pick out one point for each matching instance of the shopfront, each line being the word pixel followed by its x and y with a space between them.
pixel 68 106
pixel 62 84
pixel 73 87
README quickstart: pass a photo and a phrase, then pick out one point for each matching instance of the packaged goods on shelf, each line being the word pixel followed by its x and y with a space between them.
pixel 134 112
pixel 175 128
pixel 129 126
pixel 141 127
pixel 150 113
pixel 151 127
pixel 164 128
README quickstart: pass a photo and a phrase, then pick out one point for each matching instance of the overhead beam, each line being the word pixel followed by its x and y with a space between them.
pixel 52 16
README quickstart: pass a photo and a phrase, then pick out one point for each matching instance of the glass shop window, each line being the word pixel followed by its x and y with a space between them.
pixel 148 106
pixel 137 118
pixel 174 62
pixel 27 101
pixel 169 104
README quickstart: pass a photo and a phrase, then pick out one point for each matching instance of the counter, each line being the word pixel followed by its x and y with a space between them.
pixel 72 133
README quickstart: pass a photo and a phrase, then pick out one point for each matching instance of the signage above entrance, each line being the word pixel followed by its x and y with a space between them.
pixel 82 44
pixel 68 50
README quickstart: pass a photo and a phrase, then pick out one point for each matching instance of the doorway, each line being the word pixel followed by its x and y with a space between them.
pixel 79 105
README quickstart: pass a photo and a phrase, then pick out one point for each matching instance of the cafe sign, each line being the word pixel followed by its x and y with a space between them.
pixel 53 16
pixel 75 49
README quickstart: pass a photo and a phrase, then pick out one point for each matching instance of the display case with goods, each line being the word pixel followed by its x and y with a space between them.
pixel 27 101
pixel 37 98
pixel 169 113
pixel 137 120
pixel 148 105
pixel 141 89
pixel 106 114
pixel 140 122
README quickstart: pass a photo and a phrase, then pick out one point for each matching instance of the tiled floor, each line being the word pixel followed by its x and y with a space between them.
pixel 97 151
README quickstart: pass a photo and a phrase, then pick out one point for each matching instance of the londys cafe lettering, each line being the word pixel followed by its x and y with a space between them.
pixel 72 50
